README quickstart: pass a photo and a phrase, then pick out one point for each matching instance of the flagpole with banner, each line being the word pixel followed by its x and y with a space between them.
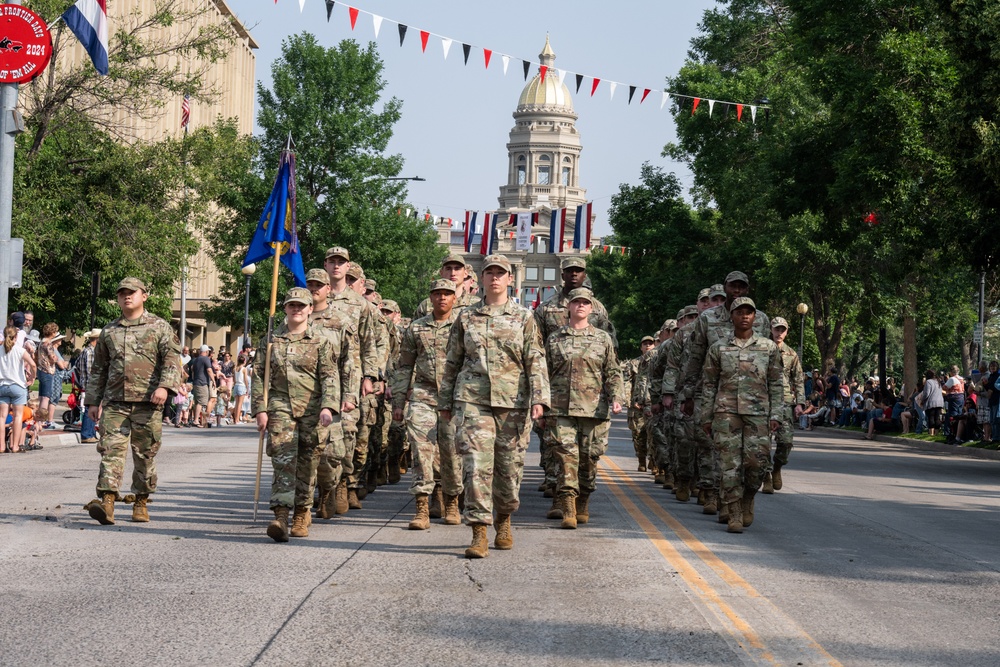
pixel 276 237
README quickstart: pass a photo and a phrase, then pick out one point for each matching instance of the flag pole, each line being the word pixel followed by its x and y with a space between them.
pixel 267 373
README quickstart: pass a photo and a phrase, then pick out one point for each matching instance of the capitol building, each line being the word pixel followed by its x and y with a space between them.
pixel 543 173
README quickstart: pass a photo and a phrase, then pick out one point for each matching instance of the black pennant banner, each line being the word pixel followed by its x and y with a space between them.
pixel 329 9
pixel 402 33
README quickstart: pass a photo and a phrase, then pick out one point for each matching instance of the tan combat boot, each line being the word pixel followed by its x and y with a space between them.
pixel 421 519
pixel 549 491
pixel 102 510
pixel 324 506
pixel 277 530
pixel 723 509
pixel 683 492
pixel 735 519
pixel 353 501
pixel 776 477
pixel 480 547
pixel 711 502
pixel 700 496
pixel 555 512
pixel 642 465
pixel 569 511
pixel 582 508
pixel 452 517
pixel 301 521
pixel 747 507
pixel 658 476
pixel 668 481
pixel 504 539
pixel 437 503
pixel 340 503
pixel 768 484
pixel 140 514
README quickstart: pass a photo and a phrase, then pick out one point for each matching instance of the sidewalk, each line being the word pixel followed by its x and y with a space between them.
pixel 924 445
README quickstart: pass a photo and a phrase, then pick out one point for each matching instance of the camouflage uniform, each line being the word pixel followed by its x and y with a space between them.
pixel 584 381
pixel 660 440
pixel 742 390
pixel 794 395
pixel 368 449
pixel 305 379
pixel 640 397
pixel 630 370
pixel 494 373
pixel 133 359
pixel 422 358
pixel 384 409
pixel 461 302
pixel 684 437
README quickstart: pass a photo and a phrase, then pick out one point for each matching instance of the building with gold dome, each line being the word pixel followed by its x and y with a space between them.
pixel 543 173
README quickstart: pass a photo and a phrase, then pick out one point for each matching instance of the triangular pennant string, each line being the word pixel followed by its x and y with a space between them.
pixel 329 9
pixel 739 112
pixel 527 67
pixel 424 36
pixel 631 92
pixel 353 13
pixel 579 80
pixel 446 45
pixel 542 69
pixel 402 33
pixel 561 73
pixel 487 54
pixel 377 24
pixel 593 86
pixel 694 107
pixel 645 93
pixel 711 107
pixel 506 61
pixel 612 85
pixel 302 5
pixel 663 100
pixel 466 49
pixel 753 114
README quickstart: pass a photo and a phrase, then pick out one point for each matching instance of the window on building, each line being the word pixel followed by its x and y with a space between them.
pixel 521 174
pixel 531 273
pixel 565 176
pixel 549 274
pixel 544 174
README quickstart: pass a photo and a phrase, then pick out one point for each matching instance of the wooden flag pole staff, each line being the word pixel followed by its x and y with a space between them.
pixel 267 371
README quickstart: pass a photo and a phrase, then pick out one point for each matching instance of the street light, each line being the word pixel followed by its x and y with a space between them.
pixel 399 178
pixel 802 309
pixel 247 271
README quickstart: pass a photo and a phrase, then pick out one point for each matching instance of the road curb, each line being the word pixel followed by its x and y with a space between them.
pixel 52 438
pixel 919 445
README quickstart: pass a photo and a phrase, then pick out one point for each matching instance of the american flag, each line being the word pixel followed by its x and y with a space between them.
pixel 185 111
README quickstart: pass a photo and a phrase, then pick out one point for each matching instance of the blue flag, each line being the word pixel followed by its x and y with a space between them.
pixel 276 228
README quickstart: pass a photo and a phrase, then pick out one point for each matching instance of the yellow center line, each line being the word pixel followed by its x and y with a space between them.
pixel 726 573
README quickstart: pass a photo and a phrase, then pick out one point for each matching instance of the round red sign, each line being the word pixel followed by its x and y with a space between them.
pixel 25 44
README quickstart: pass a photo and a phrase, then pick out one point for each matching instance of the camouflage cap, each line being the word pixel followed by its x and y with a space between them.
pixel 377 299
pixel 669 325
pixel 497 260
pixel 371 284
pixel 132 284
pixel 742 301
pixel 737 276
pixel 298 295
pixel 647 339
pixel 443 284
pixel 716 290
pixel 680 313
pixel 687 311
pixel 390 305
pixel 318 276
pixel 581 293
pixel 337 251
pixel 575 261
pixel 779 322
pixel 705 293
pixel 355 271
pixel 454 258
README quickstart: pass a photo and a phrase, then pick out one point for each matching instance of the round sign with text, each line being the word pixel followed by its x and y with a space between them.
pixel 25 44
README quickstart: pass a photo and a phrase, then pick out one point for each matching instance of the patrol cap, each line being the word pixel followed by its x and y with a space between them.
pixel 779 322
pixel 132 284
pixel 705 293
pixel 647 339
pixel 377 299
pixel 318 276
pixel 298 295
pixel 355 271
pixel 390 305
pixel 681 312
pixel 669 325
pixel 737 276
pixel 497 260
pixel 581 293
pixel 454 258
pixel 573 262
pixel 716 290
pixel 742 301
pixel 443 284
pixel 337 251
pixel 371 284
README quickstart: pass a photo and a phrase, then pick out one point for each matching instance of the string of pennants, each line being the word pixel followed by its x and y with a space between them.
pixel 527 65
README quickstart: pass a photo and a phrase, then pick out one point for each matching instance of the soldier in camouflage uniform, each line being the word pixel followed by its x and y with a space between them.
pixel 303 394
pixel 743 390
pixel 682 438
pixel 359 322
pixel 712 326
pixel 636 411
pixel 660 442
pixel 136 368
pixel 454 268
pixel 550 316
pixel 395 429
pixel 585 384
pixel 334 453
pixel 795 399
pixel 495 381
pixel 422 358
pixel 362 480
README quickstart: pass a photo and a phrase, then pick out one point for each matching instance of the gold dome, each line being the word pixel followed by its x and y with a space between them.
pixel 551 92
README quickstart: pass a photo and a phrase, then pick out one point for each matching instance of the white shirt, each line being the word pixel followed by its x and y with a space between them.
pixel 12 366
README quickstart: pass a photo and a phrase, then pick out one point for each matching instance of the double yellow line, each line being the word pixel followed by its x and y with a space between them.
pixel 738 628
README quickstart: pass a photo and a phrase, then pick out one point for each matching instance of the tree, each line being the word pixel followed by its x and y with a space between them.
pixel 329 102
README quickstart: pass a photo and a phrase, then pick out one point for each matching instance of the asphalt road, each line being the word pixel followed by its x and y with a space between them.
pixel 873 554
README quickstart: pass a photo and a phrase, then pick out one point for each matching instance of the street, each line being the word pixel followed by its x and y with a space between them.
pixel 872 554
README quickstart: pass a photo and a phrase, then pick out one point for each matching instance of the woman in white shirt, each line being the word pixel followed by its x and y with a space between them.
pixel 16 367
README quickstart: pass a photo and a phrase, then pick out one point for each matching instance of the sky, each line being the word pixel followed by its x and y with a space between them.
pixel 456 118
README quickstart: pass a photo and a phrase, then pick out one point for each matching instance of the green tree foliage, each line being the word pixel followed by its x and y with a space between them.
pixel 329 101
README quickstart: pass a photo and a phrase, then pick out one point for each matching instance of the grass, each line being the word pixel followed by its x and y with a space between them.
pixel 926 437
pixel 66 388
